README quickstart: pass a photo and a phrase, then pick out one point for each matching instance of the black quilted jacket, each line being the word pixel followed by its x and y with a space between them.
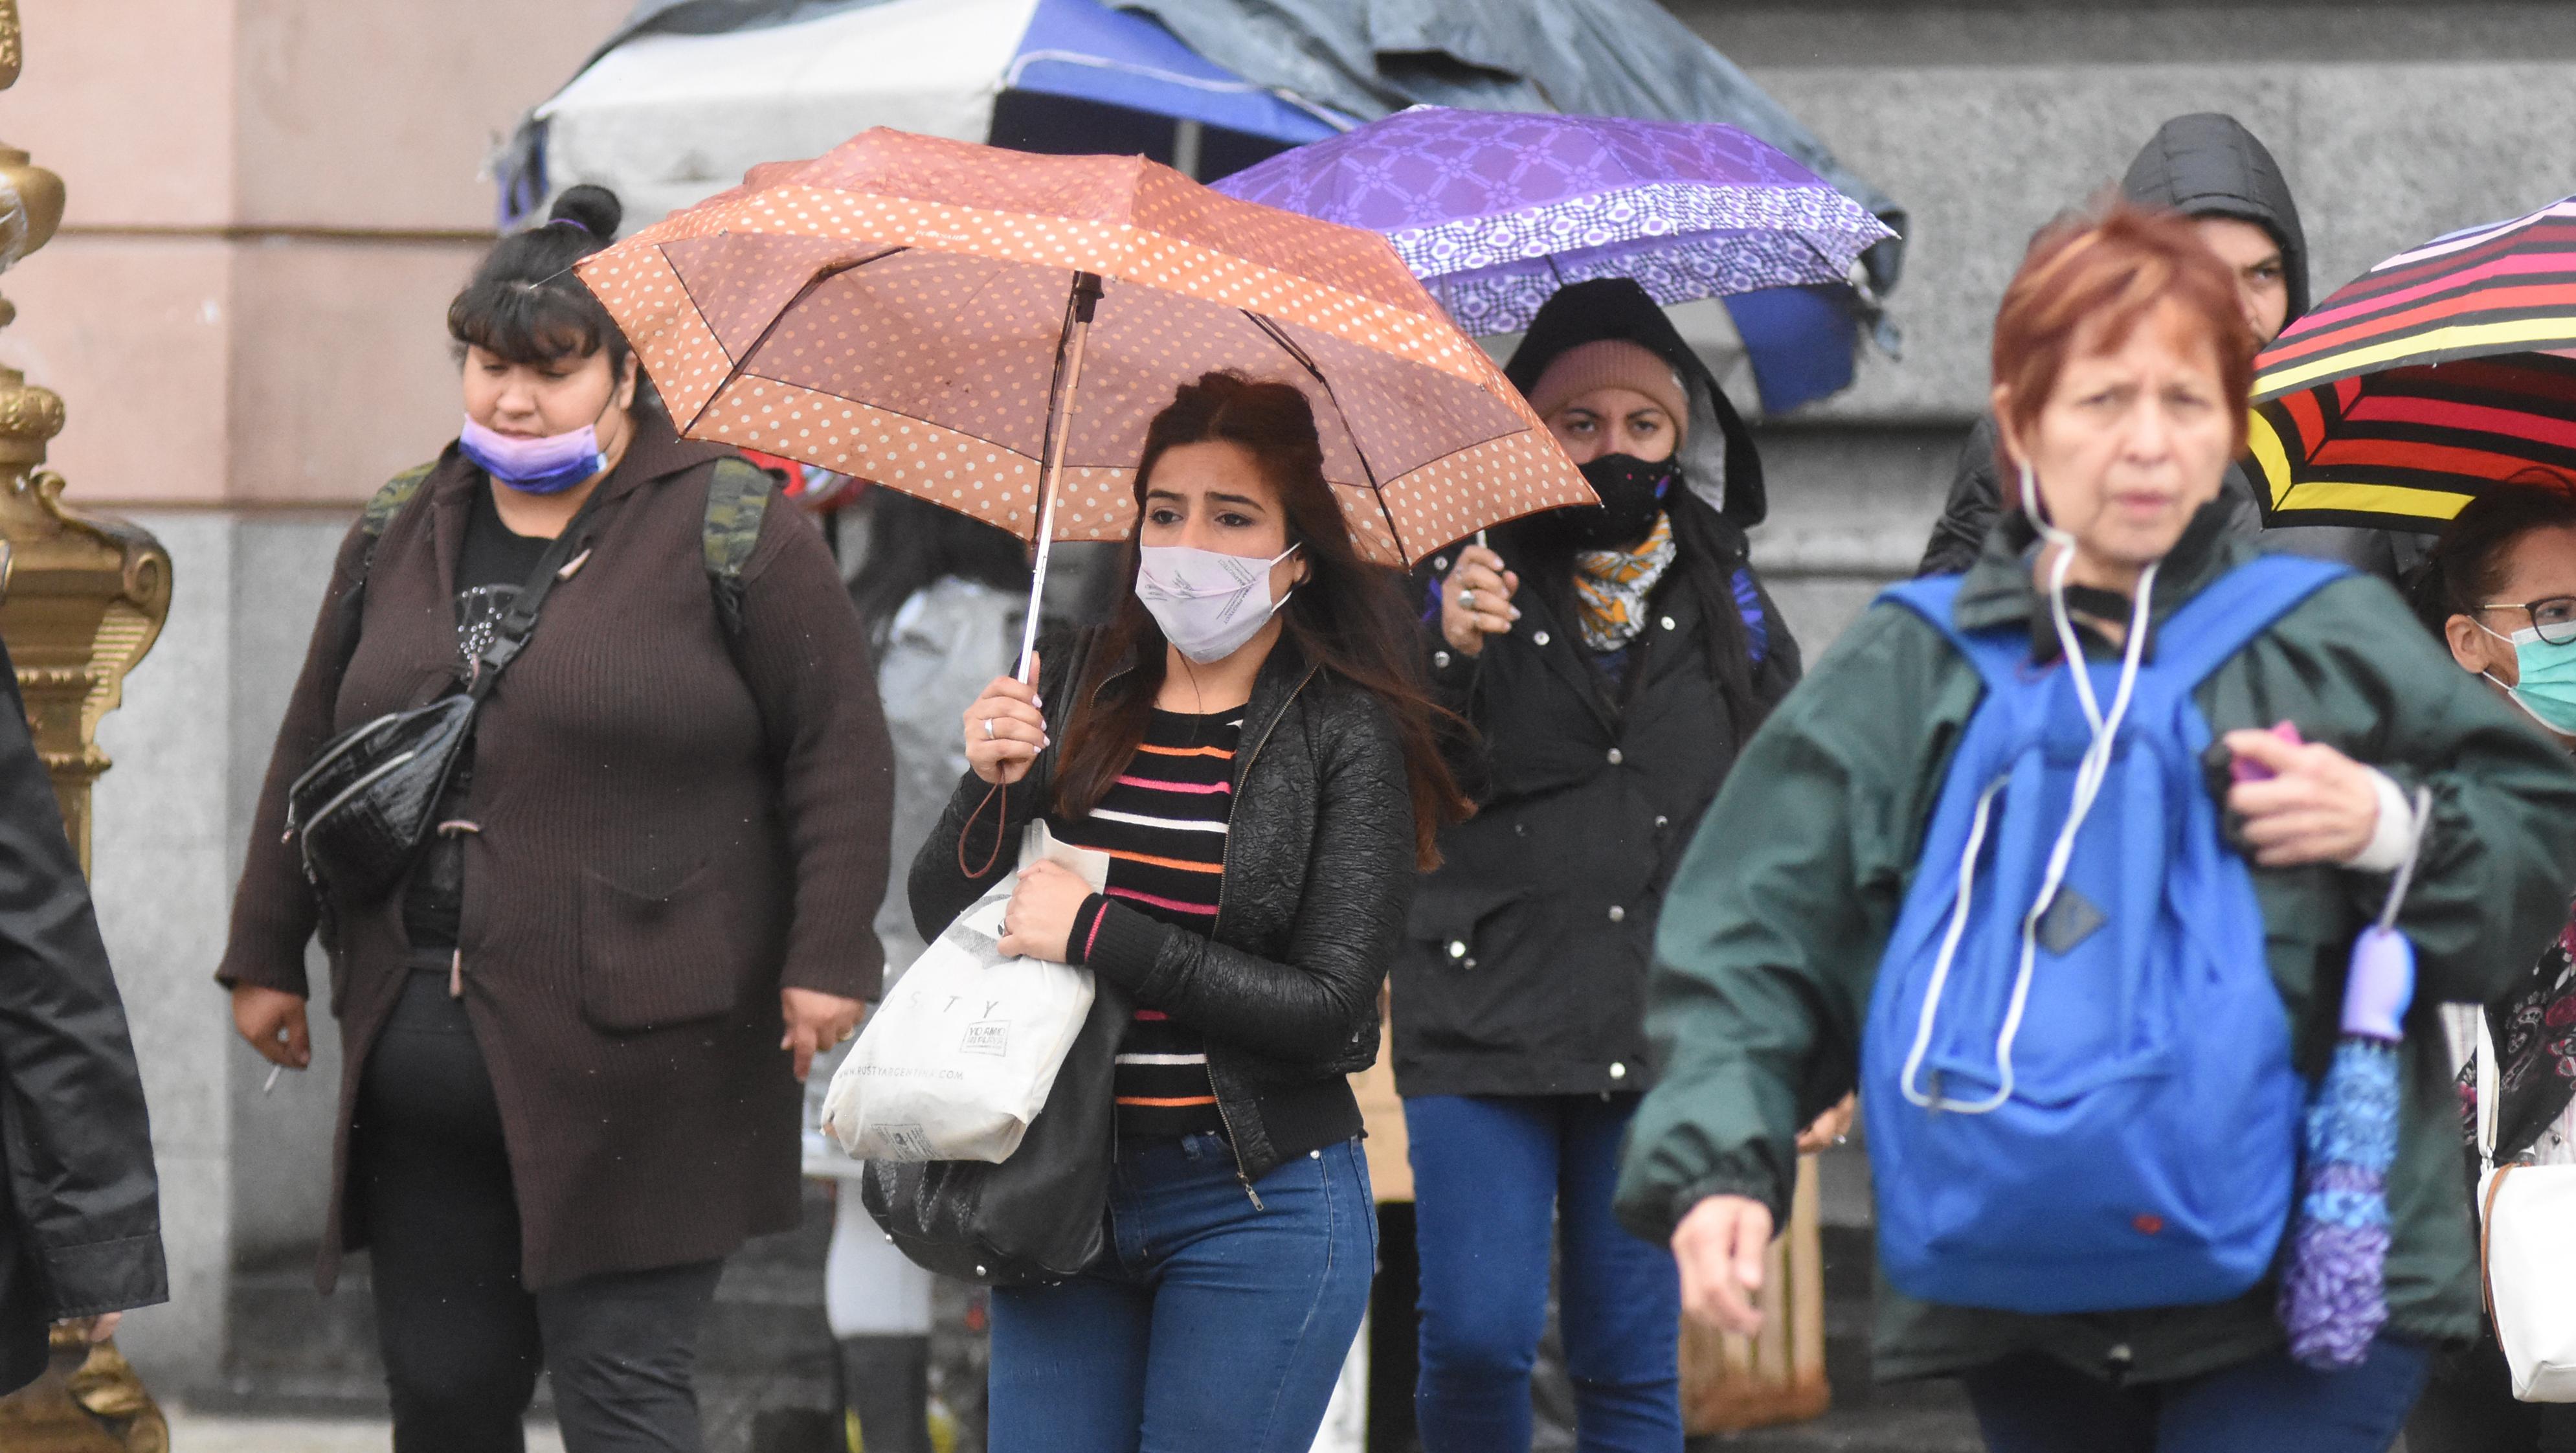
pixel 1318 877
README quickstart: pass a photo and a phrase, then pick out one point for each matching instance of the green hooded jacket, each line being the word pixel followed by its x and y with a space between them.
pixel 1772 933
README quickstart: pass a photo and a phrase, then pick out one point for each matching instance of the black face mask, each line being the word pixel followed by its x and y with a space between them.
pixel 1632 491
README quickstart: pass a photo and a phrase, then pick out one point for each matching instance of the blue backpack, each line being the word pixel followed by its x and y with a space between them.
pixel 2085 1104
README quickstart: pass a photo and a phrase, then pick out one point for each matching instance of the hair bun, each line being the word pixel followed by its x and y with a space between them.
pixel 593 209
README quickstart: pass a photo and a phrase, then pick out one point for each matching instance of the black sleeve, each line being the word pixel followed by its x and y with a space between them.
pixel 976 842
pixel 1976 500
pixel 1321 1003
pixel 79 1143
pixel 974 845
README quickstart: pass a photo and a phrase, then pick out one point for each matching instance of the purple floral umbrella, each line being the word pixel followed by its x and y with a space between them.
pixel 1496 210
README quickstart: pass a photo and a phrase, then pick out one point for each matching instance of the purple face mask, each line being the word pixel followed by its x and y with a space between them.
pixel 549 465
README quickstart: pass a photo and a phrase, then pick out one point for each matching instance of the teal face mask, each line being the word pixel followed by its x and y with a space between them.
pixel 2547 690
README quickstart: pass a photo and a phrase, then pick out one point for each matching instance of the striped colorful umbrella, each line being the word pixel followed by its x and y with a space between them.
pixel 2441 370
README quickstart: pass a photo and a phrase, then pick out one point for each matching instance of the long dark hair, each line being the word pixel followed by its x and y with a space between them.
pixel 1349 617
pixel 524 304
pixel 2467 564
pixel 913 543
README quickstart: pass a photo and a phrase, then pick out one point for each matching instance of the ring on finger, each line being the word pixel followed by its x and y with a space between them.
pixel 1467 597
pixel 988 729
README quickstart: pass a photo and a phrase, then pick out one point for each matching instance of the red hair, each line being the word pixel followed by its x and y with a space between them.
pixel 2091 279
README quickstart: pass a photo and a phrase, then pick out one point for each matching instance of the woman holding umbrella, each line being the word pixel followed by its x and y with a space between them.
pixel 1613 659
pixel 1248 742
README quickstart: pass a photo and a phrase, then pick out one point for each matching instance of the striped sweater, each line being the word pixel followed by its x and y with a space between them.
pixel 1163 825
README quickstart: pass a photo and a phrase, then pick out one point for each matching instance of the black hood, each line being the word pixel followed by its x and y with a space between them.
pixel 1717 456
pixel 2209 165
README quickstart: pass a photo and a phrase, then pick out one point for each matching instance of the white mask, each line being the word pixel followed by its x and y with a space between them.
pixel 1207 603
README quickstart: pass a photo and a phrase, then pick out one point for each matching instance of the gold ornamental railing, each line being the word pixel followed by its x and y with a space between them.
pixel 81 600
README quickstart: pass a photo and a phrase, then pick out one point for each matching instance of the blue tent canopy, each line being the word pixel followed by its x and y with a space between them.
pixel 1086 51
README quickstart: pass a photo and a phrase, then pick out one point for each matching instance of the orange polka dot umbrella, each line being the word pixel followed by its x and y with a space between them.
pixel 921 312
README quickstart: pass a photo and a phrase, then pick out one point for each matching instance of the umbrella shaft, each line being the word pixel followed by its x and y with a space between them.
pixel 1077 329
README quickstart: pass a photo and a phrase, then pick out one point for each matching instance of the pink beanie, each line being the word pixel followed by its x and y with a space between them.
pixel 1610 363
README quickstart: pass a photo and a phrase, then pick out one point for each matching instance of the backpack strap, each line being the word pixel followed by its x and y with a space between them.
pixel 737 498
pixel 2210 627
pixel 387 502
pixel 2232 610
pixel 390 498
pixel 1998 654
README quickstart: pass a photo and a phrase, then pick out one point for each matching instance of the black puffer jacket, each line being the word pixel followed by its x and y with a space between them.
pixel 1318 874
pixel 1523 970
pixel 2202 165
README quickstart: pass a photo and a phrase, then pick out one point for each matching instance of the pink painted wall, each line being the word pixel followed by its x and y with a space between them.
pixel 271 202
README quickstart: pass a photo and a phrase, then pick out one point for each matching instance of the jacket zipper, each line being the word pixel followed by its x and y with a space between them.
pixel 1225 861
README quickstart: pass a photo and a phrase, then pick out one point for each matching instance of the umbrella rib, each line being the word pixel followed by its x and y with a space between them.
pixel 817 280
pixel 1377 491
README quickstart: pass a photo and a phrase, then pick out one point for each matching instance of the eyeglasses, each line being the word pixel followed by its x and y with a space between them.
pixel 2554 618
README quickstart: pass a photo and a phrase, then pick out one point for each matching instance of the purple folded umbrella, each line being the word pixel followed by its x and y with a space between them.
pixel 1496 210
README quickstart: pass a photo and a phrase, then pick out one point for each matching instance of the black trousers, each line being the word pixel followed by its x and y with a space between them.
pixel 462 1339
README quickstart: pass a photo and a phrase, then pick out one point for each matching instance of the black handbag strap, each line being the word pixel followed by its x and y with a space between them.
pixel 511 634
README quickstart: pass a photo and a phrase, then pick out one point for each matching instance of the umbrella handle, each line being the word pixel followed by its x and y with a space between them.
pixel 1068 374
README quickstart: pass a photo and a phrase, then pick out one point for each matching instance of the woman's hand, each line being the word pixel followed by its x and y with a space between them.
pixel 1476 600
pixel 1721 1245
pixel 1831 1128
pixel 1039 919
pixel 273 1021
pixel 815 1022
pixel 94 1329
pixel 1005 731
pixel 2318 806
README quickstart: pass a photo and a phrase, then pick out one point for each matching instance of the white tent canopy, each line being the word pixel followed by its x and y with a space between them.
pixel 669 120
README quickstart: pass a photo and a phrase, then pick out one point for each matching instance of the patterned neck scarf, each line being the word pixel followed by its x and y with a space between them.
pixel 1611 586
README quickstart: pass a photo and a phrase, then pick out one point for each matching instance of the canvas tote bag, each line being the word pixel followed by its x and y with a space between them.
pixel 960 1057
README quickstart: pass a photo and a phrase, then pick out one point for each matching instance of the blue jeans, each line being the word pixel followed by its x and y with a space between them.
pixel 1496 1180
pixel 1209 1324
pixel 2032 1403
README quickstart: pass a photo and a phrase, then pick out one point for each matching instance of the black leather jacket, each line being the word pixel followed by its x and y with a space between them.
pixel 1319 873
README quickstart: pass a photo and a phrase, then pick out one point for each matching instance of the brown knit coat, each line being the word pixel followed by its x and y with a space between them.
pixel 675 824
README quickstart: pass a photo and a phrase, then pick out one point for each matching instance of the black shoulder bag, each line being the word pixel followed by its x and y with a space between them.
pixel 362 810
pixel 1038 1216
